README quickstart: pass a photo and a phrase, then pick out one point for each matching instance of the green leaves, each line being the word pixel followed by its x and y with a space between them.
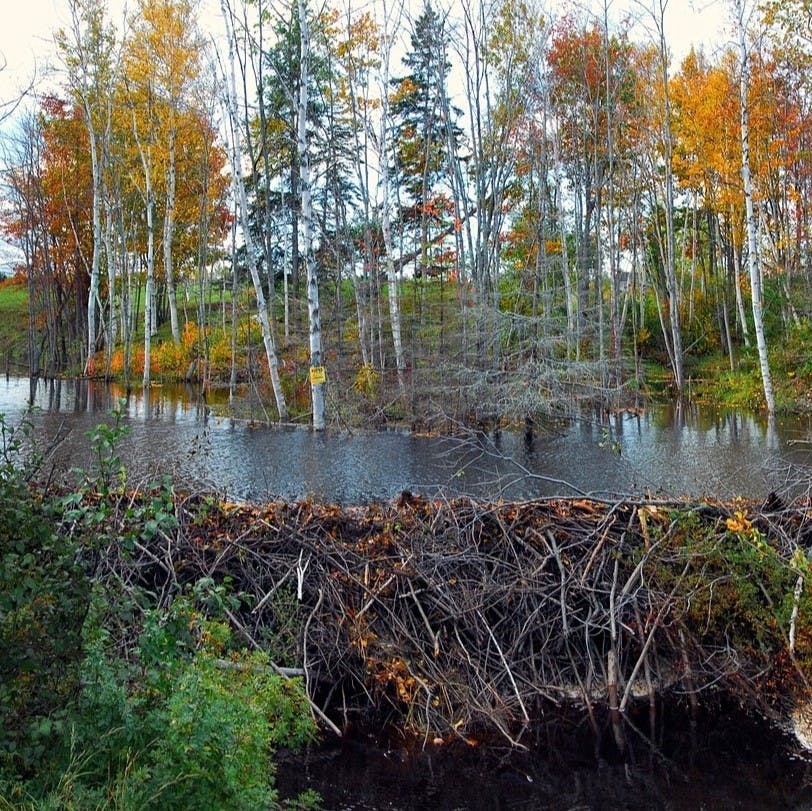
pixel 112 696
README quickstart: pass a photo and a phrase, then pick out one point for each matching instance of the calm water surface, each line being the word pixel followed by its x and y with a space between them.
pixel 668 450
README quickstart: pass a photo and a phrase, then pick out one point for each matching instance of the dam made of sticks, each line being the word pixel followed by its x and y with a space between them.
pixel 458 619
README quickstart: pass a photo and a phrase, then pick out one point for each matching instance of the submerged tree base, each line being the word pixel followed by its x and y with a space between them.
pixel 457 619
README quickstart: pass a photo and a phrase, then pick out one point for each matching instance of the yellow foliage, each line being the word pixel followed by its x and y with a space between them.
pixel 367 381
pixel 405 89
pixel 739 523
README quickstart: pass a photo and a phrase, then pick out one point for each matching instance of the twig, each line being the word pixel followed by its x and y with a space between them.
pixel 280 671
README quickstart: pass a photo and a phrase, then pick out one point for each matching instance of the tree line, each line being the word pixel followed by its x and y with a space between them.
pixel 480 209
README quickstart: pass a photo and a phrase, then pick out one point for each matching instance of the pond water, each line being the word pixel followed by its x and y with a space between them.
pixel 737 765
pixel 667 450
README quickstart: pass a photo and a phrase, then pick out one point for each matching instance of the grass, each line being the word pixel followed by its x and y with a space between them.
pixel 790 369
pixel 431 323
pixel 13 320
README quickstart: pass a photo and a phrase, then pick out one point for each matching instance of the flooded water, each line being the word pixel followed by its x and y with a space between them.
pixel 667 450
pixel 738 764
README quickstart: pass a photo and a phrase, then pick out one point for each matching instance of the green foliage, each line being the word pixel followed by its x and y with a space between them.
pixel 104 439
pixel 109 696
pixel 171 725
pixel 733 586
pixel 13 320
pixel 281 639
pixel 44 588
pixel 221 727
pixel 181 727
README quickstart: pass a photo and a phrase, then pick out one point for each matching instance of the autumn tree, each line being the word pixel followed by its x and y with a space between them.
pixel 741 19
pixel 163 62
pixel 654 132
pixel 592 84
pixel 88 51
pixel 363 58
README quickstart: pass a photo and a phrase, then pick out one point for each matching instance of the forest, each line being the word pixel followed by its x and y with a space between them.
pixel 487 212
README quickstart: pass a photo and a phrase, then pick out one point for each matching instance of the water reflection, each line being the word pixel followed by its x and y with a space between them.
pixel 676 449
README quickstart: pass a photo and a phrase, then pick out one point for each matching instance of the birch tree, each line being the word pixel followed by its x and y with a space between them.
pixel 358 64
pixel 391 14
pixel 663 176
pixel 741 19
pixel 314 313
pixel 143 131
pixel 229 93
pixel 87 49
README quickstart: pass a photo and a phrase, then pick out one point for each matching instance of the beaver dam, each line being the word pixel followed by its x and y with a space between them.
pixel 458 619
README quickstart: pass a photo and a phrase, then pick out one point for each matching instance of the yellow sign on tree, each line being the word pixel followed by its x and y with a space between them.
pixel 317 375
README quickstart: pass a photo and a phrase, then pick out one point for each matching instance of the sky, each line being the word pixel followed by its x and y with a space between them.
pixel 26 35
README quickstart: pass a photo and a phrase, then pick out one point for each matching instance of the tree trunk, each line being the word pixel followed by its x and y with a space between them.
pixel 316 379
pixel 238 189
pixel 169 230
pixel 752 228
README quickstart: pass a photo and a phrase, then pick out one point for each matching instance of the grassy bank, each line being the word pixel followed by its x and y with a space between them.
pixel 440 385
pixel 713 382
pixel 13 325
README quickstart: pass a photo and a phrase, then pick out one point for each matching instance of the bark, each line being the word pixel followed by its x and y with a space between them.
pixel 313 310
pixel 145 153
pixel 672 287
pixel 169 230
pixel 386 225
pixel 93 293
pixel 752 227
pixel 238 188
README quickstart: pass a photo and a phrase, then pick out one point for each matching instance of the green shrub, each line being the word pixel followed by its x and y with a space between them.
pixel 181 727
pixel 44 589
pixel 110 697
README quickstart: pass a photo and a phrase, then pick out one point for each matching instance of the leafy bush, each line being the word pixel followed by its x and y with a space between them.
pixel 181 727
pixel 110 696
pixel 44 588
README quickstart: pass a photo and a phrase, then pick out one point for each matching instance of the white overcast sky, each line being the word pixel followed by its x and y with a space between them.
pixel 27 26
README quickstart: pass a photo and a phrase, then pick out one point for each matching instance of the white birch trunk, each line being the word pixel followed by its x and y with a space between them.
pixel 113 320
pixel 93 293
pixel 84 54
pixel 145 153
pixel 238 188
pixel 737 288
pixel 169 231
pixel 752 228
pixel 316 385
pixel 386 216
pixel 671 284
pixel 149 295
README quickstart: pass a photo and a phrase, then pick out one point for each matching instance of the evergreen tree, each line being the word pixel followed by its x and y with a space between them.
pixel 420 109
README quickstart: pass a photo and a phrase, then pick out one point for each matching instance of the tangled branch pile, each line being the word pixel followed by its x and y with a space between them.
pixel 460 616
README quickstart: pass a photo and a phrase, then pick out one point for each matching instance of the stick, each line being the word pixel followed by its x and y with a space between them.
pixel 281 672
